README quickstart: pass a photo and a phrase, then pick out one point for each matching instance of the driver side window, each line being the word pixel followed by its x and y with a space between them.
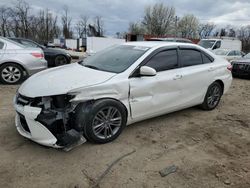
pixel 164 60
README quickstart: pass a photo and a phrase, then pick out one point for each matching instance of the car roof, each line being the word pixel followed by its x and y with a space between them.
pixel 170 39
pixel 152 44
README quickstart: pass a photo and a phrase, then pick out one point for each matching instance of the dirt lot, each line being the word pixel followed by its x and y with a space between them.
pixel 210 149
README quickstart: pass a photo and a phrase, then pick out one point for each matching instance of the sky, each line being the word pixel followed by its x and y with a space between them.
pixel 117 14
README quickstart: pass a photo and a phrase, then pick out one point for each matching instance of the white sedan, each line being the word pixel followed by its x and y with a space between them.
pixel 95 99
pixel 229 55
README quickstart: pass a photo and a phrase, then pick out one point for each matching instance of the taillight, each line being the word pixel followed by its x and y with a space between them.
pixel 229 67
pixel 37 55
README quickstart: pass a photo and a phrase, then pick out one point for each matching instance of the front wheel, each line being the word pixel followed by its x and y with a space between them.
pixel 102 121
pixel 212 97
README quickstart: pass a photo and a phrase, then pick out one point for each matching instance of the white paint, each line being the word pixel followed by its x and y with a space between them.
pixel 144 97
pixel 95 44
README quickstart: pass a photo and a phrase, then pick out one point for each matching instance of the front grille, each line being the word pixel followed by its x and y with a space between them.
pixel 22 100
pixel 241 67
pixel 24 123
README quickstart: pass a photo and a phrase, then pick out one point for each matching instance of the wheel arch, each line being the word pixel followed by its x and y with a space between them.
pixel 64 55
pixel 221 84
pixel 13 62
pixel 108 98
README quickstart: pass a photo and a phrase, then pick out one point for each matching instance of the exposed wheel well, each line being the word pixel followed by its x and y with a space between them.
pixel 92 101
pixel 221 84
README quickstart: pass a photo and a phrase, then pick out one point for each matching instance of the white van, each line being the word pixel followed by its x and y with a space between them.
pixel 221 43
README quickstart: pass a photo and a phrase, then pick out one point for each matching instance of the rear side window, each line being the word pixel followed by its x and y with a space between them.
pixel 1 45
pixel 232 53
pixel 189 57
pixel 164 60
pixel 206 59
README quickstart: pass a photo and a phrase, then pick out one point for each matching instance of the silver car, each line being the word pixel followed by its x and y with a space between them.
pixel 18 61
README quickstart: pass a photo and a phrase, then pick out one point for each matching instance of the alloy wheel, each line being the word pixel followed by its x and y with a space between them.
pixel 11 74
pixel 107 122
pixel 214 95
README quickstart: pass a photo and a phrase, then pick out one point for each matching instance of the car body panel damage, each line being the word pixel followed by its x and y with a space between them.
pixel 47 124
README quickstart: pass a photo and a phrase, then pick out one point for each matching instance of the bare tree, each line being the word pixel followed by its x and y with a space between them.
pixel 188 26
pixel 66 23
pixel 97 28
pixel 4 21
pixel 136 28
pixel 158 19
pixel 21 10
pixel 206 29
pixel 82 26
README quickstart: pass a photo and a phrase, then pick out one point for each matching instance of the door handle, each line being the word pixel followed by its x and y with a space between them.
pixel 211 69
pixel 177 77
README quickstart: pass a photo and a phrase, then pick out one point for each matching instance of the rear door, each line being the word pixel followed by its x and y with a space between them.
pixel 197 74
pixel 151 96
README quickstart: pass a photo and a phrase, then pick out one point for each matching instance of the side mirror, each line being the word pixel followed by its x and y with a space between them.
pixel 147 71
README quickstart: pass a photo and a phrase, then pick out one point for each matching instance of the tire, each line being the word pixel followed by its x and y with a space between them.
pixel 60 60
pixel 93 120
pixel 11 73
pixel 212 97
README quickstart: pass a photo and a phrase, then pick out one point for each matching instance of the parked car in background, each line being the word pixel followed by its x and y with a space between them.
pixel 229 55
pixel 221 43
pixel 96 98
pixel 54 57
pixel 241 67
pixel 171 40
pixel 18 61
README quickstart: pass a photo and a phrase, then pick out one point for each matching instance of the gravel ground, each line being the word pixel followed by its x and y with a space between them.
pixel 210 149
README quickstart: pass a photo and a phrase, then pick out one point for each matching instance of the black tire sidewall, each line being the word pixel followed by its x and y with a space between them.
pixel 85 114
pixel 55 63
pixel 13 65
pixel 205 105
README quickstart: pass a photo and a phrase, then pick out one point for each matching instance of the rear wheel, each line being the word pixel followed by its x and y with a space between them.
pixel 60 60
pixel 102 121
pixel 11 73
pixel 212 97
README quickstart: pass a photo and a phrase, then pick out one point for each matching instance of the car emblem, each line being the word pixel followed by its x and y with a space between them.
pixel 241 66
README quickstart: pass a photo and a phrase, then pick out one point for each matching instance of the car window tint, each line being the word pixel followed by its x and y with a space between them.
pixel 164 60
pixel 238 53
pixel 190 57
pixel 232 53
pixel 28 43
pixel 205 58
pixel 1 45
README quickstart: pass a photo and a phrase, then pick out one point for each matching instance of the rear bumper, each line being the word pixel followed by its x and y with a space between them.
pixel 41 65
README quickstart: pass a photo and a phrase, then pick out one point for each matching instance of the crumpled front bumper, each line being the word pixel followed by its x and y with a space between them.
pixel 31 129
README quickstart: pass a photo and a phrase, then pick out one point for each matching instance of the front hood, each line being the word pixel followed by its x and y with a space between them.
pixel 61 80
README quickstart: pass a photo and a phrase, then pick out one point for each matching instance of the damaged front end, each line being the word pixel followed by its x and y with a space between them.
pixel 48 120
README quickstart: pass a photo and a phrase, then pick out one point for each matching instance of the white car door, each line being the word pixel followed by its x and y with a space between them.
pixel 197 74
pixel 151 96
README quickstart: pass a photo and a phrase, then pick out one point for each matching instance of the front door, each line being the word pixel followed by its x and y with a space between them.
pixel 159 94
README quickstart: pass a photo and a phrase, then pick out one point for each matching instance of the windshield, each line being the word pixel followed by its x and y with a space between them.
pixel 247 56
pixel 115 59
pixel 207 43
pixel 221 52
